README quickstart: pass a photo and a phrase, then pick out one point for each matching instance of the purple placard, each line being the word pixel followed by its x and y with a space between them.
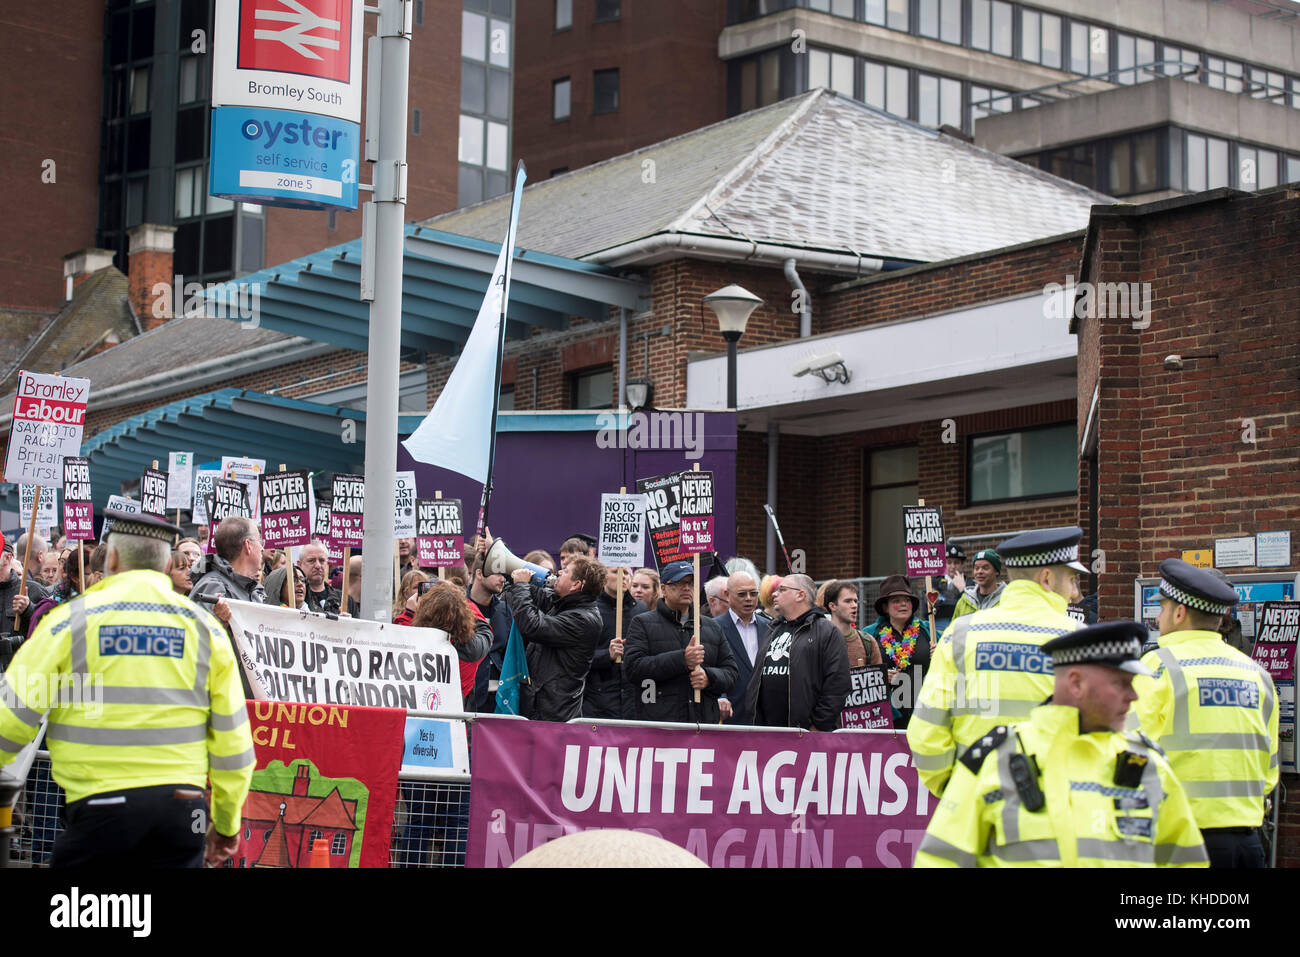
pixel 866 706
pixel 439 532
pixel 923 540
pixel 346 509
pixel 286 509
pixel 1276 633
pixel 78 507
pixel 696 510
pixel 854 796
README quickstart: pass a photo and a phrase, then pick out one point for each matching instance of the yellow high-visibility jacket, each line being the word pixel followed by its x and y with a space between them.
pixel 1215 714
pixel 988 670
pixel 1087 819
pixel 141 688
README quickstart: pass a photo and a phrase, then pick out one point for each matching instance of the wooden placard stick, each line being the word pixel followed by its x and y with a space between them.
pixel 442 572
pixel 618 601
pixel 347 561
pixel 27 552
pixel 928 604
pixel 695 640
pixel 289 583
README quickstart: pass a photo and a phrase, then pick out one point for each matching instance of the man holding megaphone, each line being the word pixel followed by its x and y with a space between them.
pixel 560 625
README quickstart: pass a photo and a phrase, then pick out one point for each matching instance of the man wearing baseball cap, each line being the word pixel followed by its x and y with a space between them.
pixel 1215 713
pixel 990 668
pixel 1067 788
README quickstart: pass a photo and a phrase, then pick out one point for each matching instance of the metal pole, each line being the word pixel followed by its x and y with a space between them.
pixel 733 340
pixel 622 358
pixel 773 447
pixel 386 311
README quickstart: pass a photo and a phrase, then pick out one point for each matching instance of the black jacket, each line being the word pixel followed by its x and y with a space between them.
pixel 8 589
pixel 655 646
pixel 743 668
pixel 559 635
pixel 603 697
pixel 819 676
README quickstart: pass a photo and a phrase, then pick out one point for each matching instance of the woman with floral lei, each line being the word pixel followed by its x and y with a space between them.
pixel 904 643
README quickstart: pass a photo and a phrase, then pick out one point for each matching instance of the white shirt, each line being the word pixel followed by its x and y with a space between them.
pixel 748 634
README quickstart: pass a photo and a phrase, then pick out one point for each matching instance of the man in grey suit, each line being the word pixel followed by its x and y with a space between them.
pixel 745 632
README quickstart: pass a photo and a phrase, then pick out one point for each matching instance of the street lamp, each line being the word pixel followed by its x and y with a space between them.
pixel 732 305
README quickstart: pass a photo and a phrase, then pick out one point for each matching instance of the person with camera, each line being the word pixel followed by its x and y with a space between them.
pixel 15 608
pixel 560 627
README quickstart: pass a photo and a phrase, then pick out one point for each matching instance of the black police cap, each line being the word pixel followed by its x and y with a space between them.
pixel 137 523
pixel 1044 546
pixel 1197 588
pixel 1117 644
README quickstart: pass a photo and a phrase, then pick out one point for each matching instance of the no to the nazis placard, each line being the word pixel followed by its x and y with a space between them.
pixel 153 493
pixel 227 498
pixel 867 703
pixel 286 512
pixel 321 531
pixel 663 493
pixel 347 509
pixel 439 532
pixel 78 506
pixel 622 530
pixel 1276 634
pixel 49 415
pixel 923 540
pixel 696 511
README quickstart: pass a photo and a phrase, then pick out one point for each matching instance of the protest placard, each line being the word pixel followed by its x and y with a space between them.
pixel 180 479
pixel 404 506
pixel 228 498
pixel 203 479
pixel 696 511
pixel 1277 631
pixel 867 703
pixel 48 418
pixel 435 744
pixel 291 655
pixel 122 504
pixel 286 515
pixel 321 532
pixel 78 506
pixel 923 541
pixel 47 513
pixel 153 493
pixel 663 493
pixel 347 509
pixel 246 472
pixel 622 530
pixel 439 532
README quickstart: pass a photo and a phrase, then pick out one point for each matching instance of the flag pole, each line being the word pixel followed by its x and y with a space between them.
pixel 521 174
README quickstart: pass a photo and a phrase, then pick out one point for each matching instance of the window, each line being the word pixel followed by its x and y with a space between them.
pixel 498 153
pixel 1180 62
pixel 593 389
pixel 189 200
pixel 340 844
pixel 604 97
pixel 499 47
pixel 419 13
pixel 607 10
pixel 834 71
pixel 190 88
pixel 1256 168
pixel 983 102
pixel 887 13
pixel 990 26
pixel 1223 74
pixel 473 87
pixel 415 122
pixel 1207 162
pixel 938 100
pixel 140 90
pixel 892 483
pixel 498 104
pixel 1075 163
pixel 507 403
pixel 1267 85
pixel 316 835
pixel 769 75
pixel 471 140
pixel 332 220
pixel 560 99
pixel 940 19
pixel 1131 52
pixel 840 8
pixel 1089 49
pixel 135 195
pixel 886 88
pixel 1031 463
pixel 563 14
pixel 473 36
pixel 1293 169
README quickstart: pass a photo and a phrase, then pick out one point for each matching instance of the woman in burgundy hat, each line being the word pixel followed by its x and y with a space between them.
pixel 904 642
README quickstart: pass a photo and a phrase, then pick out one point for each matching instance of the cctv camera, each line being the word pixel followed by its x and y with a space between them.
pixel 1173 363
pixel 802 366
pixel 818 363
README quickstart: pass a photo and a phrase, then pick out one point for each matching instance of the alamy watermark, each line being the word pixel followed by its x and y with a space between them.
pixel 226 300
pixel 1103 300
pixel 41 691
pixel 671 431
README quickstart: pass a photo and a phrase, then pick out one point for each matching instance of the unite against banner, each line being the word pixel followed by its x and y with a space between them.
pixel 731 798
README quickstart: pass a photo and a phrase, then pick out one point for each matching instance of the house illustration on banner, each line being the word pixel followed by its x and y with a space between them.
pixel 279 828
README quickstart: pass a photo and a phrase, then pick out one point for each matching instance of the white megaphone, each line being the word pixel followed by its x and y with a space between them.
pixel 499 560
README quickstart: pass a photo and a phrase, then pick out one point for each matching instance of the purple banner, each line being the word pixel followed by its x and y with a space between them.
pixel 866 706
pixel 1275 639
pixel 731 798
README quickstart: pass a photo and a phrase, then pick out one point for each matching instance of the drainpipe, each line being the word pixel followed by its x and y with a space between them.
pixel 622 358
pixel 773 446
pixel 805 311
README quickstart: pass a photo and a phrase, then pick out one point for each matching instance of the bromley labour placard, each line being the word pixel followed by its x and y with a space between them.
pixel 49 415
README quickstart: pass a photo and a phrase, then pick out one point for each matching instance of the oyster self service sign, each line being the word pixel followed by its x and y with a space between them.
pixel 286 102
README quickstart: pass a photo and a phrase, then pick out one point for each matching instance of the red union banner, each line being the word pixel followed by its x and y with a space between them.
pixel 325 772
pixel 731 798
pixel 307 37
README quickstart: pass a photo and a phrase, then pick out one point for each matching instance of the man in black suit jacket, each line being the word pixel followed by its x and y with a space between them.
pixel 744 631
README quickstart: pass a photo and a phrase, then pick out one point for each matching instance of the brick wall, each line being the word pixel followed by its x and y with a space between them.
pixel 1174 470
